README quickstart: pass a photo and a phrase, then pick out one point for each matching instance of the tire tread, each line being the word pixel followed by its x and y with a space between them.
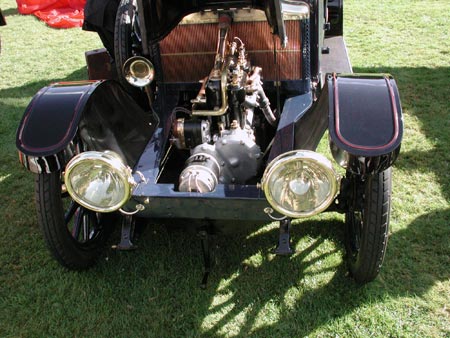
pixel 375 231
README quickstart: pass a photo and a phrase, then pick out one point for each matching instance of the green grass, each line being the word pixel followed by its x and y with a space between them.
pixel 154 291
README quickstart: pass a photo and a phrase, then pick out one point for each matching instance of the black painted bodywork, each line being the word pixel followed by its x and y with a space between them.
pixel 98 113
pixel 51 119
pixel 365 121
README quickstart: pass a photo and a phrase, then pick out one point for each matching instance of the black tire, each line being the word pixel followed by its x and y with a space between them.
pixel 74 235
pixel 367 230
pixel 126 38
pixel 128 43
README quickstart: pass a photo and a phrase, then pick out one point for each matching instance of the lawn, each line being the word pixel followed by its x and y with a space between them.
pixel 154 291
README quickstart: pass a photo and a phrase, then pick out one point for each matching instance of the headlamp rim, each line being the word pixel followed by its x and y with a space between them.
pixel 295 155
pixel 117 166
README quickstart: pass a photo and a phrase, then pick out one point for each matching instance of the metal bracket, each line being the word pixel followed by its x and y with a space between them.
pixel 205 235
pixel 127 234
pixel 139 207
pixel 284 238
pixel 269 211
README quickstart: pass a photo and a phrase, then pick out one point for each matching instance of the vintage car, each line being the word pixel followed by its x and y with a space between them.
pixel 215 118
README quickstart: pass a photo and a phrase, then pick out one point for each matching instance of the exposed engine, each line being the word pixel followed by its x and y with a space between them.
pixel 218 129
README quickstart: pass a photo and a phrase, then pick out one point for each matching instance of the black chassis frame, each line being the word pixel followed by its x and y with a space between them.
pixel 104 116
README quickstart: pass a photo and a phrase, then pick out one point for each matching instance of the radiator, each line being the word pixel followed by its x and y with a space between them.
pixel 188 52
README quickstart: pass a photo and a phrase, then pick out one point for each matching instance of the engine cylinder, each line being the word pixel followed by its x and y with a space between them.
pixel 188 134
pixel 200 174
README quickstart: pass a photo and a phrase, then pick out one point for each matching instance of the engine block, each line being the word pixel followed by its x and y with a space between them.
pixel 218 129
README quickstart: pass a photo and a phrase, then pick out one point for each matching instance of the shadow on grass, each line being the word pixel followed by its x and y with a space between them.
pixel 10 11
pixel 417 258
pixel 30 89
pixel 278 297
pixel 155 291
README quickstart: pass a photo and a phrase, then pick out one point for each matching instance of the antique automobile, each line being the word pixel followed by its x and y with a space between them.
pixel 215 118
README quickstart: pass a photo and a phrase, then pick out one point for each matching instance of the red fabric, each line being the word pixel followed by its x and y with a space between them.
pixel 55 13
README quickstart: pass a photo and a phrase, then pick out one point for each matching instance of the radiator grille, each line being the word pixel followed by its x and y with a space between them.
pixel 188 52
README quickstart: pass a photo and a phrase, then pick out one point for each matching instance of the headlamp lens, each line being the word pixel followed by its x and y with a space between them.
pixel 300 183
pixel 98 180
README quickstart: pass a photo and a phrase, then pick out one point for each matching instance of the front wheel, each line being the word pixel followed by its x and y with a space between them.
pixel 367 225
pixel 74 235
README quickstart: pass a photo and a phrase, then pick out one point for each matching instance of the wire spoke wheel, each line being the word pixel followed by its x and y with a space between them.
pixel 74 235
pixel 367 229
pixel 84 225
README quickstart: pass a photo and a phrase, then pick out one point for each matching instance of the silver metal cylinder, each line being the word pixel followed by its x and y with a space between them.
pixel 200 174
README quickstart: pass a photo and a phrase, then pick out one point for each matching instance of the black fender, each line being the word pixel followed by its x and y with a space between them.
pixel 365 121
pixel 100 114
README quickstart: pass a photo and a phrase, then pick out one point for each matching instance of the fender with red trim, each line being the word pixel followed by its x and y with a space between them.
pixel 365 121
pixel 99 115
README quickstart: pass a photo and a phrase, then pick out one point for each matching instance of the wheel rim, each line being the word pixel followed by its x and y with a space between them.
pixel 83 225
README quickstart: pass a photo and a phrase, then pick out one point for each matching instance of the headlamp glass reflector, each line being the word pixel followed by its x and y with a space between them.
pixel 300 183
pixel 99 181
